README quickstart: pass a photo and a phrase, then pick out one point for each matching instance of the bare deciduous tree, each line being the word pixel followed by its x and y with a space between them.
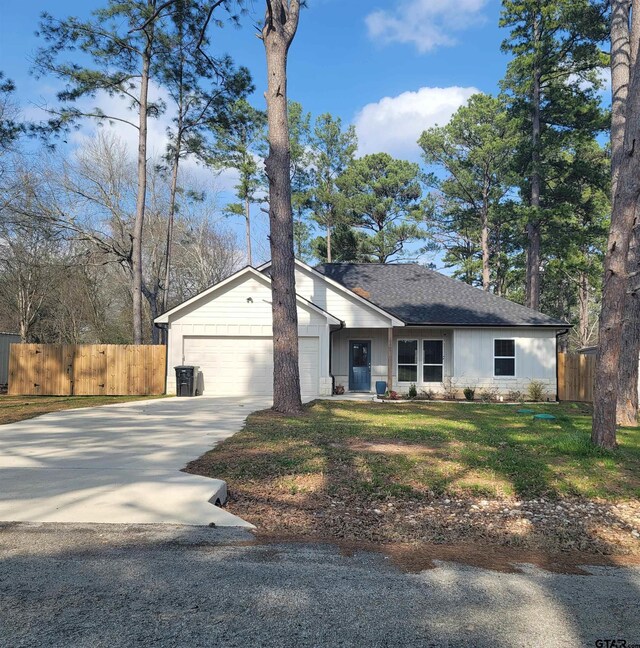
pixel 89 201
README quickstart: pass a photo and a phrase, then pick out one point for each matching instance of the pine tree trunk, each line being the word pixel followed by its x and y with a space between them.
pixel 620 53
pixel 532 298
pixel 247 216
pixel 623 54
pixel 172 210
pixel 328 244
pixel 278 32
pixel 627 402
pixel 613 305
pixel 174 177
pixel 615 284
pixel 484 242
pixel 136 242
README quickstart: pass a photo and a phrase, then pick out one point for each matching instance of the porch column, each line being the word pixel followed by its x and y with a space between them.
pixel 390 358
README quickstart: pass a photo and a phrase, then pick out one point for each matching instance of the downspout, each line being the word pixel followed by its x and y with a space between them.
pixel 557 374
pixel 333 378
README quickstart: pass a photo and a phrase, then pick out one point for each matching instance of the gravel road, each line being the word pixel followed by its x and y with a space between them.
pixel 122 585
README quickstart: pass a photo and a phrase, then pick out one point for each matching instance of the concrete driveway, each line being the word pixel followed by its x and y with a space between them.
pixel 119 463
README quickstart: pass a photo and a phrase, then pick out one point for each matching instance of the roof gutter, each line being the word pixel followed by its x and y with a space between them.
pixel 495 325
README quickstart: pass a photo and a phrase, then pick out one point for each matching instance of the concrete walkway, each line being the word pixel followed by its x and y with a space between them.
pixel 119 463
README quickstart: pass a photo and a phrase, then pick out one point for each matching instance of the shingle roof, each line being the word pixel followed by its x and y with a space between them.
pixel 418 295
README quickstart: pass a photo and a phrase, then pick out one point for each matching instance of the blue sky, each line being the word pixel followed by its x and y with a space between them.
pixel 392 67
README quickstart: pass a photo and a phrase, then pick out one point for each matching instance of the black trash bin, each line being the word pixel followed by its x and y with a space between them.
pixel 186 379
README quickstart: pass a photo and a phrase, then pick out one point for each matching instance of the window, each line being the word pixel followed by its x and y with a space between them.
pixel 504 357
pixel 432 361
pixel 407 360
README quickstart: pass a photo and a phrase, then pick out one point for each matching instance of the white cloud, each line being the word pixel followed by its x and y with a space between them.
pixel 394 124
pixel 157 137
pixel 425 23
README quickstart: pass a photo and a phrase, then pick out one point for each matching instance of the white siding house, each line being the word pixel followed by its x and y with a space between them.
pixel 535 358
pixel 226 331
pixel 359 324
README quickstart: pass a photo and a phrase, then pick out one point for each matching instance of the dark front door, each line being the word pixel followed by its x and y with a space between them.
pixel 360 366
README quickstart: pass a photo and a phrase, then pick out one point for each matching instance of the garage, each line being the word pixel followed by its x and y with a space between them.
pixel 243 366
pixel 227 331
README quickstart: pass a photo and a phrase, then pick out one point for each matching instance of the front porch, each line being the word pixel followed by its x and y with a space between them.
pixel 400 356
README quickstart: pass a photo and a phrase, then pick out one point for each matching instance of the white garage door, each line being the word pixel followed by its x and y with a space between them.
pixel 241 366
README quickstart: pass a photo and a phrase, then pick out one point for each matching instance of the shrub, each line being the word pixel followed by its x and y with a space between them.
pixel 413 392
pixel 339 390
pixel 427 394
pixel 536 391
pixel 393 395
pixel 515 396
pixel 469 393
pixel 489 395
pixel 450 390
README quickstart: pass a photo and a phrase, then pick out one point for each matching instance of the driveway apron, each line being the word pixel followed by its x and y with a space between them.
pixel 119 463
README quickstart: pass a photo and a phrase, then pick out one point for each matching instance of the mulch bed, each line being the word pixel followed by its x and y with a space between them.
pixel 566 525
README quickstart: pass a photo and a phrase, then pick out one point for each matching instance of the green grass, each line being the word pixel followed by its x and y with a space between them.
pixel 409 450
pixel 18 408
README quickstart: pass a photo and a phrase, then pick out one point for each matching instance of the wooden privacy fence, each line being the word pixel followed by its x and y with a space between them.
pixel 575 377
pixel 87 370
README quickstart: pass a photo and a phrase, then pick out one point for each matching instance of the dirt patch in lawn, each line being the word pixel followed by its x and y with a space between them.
pixel 394 448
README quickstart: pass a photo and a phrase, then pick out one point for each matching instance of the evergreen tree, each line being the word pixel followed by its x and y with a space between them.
pixel 383 198
pixel 576 237
pixel 301 170
pixel 203 92
pixel 10 127
pixel 239 145
pixel 348 244
pixel 475 152
pixel 551 82
pixel 122 43
pixel 332 149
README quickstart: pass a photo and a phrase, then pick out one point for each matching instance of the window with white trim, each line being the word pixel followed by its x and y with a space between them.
pixel 407 360
pixel 432 361
pixel 504 357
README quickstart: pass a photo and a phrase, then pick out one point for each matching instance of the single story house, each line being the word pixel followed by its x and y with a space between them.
pixel 361 323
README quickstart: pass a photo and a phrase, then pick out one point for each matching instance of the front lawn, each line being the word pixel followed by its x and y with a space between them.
pixel 411 471
pixel 18 408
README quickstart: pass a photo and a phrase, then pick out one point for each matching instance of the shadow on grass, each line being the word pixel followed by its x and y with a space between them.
pixel 328 469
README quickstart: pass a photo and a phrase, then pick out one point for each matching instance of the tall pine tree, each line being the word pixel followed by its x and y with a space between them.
pixel 332 150
pixel 475 152
pixel 550 82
